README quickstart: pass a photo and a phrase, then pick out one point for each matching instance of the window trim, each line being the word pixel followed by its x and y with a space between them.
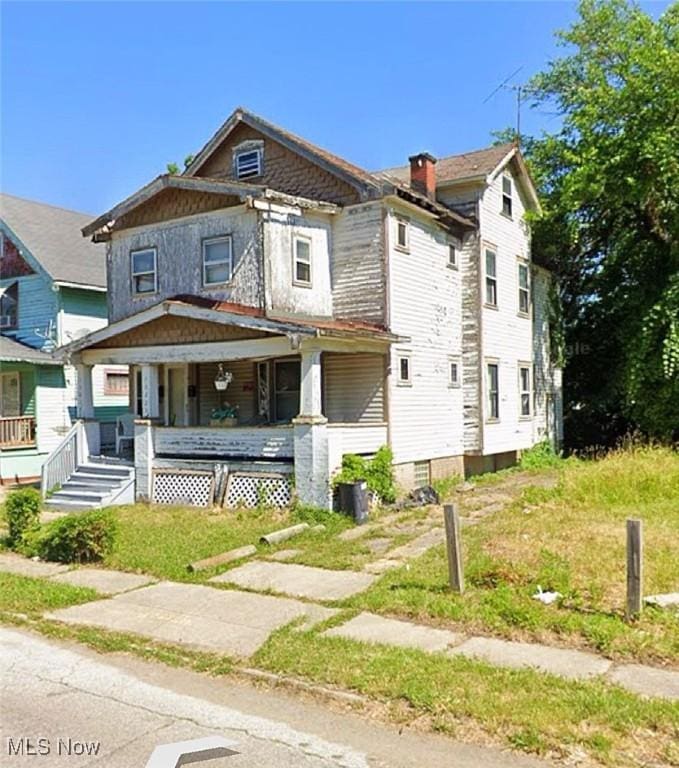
pixel 507 197
pixel 248 151
pixel 141 294
pixel 452 249
pixel 111 391
pixel 525 365
pixel 206 241
pixel 490 418
pixel 12 292
pixel 405 221
pixel 492 278
pixel 457 382
pixel 523 263
pixel 401 382
pixel 295 280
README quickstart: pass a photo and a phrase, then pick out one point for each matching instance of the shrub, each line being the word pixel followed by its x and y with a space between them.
pixel 80 538
pixel 378 473
pixel 540 456
pixel 23 513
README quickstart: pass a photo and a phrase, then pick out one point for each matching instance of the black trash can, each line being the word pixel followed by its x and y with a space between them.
pixel 353 500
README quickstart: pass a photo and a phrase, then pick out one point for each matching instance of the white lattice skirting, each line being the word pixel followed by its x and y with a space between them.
pixel 196 489
pixel 256 489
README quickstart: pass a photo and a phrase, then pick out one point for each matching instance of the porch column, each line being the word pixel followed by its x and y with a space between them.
pixel 312 473
pixel 150 403
pixel 90 436
pixel 144 453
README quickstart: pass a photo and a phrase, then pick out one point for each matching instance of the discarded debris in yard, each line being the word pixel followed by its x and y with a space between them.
pixel 546 597
pixel 275 537
pixel 422 497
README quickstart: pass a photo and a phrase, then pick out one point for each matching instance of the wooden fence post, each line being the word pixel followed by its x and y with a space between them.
pixel 635 554
pixel 454 548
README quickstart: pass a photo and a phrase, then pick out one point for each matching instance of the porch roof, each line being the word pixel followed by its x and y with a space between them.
pixel 238 315
pixel 12 351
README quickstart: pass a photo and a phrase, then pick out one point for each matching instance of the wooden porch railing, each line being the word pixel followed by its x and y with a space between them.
pixel 63 460
pixel 17 431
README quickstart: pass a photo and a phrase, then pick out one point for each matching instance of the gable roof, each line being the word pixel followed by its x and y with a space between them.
pixel 52 238
pixel 12 351
pixel 359 178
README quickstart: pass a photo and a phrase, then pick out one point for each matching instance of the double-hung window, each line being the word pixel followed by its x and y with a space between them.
pixel 507 196
pixel 404 372
pixel 144 271
pixel 217 260
pixel 524 289
pixel 493 390
pixel 9 306
pixel 491 278
pixel 248 163
pixel 402 234
pixel 301 261
pixel 524 390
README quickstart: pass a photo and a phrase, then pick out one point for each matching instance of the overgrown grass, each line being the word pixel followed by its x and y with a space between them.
pixel 571 539
pixel 522 709
pixel 22 594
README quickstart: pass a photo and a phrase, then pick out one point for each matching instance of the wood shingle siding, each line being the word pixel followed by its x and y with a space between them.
pixel 283 169
pixel 354 388
pixel 358 264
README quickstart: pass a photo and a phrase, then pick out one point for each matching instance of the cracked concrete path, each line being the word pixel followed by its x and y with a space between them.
pixel 128 706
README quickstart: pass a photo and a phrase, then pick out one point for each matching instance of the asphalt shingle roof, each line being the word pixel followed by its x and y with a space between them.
pixel 13 352
pixel 53 236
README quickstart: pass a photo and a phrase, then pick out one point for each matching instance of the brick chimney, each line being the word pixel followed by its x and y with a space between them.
pixel 423 174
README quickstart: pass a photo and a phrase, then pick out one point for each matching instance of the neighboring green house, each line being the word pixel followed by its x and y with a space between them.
pixel 52 291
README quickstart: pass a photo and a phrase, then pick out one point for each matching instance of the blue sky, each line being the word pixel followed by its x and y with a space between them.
pixel 98 97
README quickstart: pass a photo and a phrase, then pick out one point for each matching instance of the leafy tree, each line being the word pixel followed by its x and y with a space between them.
pixel 173 168
pixel 609 180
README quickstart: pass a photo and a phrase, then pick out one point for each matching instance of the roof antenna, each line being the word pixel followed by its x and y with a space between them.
pixel 520 91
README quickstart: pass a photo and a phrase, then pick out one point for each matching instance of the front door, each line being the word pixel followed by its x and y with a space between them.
pixel 10 395
pixel 176 400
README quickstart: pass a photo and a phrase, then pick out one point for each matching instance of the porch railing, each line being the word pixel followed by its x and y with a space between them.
pixel 17 431
pixel 63 460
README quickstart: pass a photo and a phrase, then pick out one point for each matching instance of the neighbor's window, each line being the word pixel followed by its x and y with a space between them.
pixel 302 259
pixel 507 196
pixel 491 278
pixel 248 163
pixel 524 289
pixel 452 255
pixel 144 275
pixel 217 260
pixel 9 306
pixel 404 372
pixel 116 383
pixel 402 234
pixel 493 387
pixel 454 372
pixel 525 389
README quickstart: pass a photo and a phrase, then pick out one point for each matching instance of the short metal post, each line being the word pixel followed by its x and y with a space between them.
pixel 454 548
pixel 634 569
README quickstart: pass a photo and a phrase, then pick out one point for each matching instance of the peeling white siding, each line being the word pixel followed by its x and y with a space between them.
pixel 358 270
pixel 506 336
pixel 283 295
pixel 180 258
pixel 425 305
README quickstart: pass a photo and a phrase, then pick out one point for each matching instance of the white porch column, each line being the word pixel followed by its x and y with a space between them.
pixel 144 453
pixel 150 403
pixel 90 436
pixel 85 392
pixel 312 473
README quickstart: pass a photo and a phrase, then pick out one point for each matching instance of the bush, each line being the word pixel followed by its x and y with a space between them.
pixel 23 513
pixel 378 473
pixel 80 538
pixel 540 456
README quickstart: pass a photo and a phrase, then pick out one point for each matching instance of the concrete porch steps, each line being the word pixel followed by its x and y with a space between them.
pixel 97 483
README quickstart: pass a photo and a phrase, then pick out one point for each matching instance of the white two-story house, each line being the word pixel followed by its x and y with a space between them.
pixel 281 307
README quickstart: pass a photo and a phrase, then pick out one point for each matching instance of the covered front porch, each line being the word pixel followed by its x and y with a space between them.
pixel 275 397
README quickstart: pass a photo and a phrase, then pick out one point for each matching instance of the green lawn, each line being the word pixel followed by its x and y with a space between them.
pixel 20 594
pixel 473 701
pixel 572 539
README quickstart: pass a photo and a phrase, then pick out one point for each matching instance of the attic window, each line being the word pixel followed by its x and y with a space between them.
pixel 9 306
pixel 248 163
pixel 507 196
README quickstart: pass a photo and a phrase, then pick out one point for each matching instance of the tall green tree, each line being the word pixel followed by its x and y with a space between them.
pixel 609 179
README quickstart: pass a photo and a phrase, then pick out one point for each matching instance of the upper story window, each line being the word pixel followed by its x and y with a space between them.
pixel 144 272
pixel 403 234
pixel 491 278
pixel 493 390
pixel 452 255
pixel 404 372
pixel 524 288
pixel 301 253
pixel 9 306
pixel 524 390
pixel 507 196
pixel 454 379
pixel 248 163
pixel 217 260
